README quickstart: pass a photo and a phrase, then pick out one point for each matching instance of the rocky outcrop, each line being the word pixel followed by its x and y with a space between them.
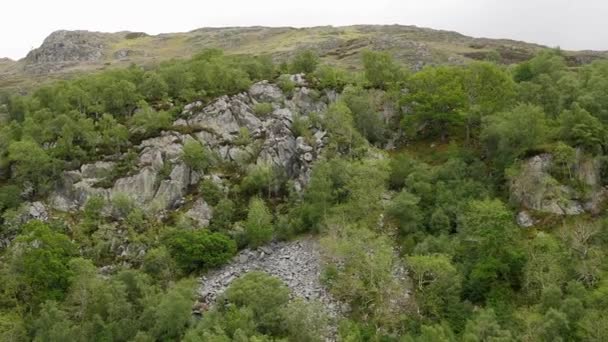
pixel 297 263
pixel 220 125
pixel 145 187
pixel 67 48
pixel 533 187
pixel 162 180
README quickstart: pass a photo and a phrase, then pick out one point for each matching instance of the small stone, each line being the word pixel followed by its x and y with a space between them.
pixel 524 219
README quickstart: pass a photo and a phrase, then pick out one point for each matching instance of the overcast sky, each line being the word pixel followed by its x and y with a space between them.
pixel 570 24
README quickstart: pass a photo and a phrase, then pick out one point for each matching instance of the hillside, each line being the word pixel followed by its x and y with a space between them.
pixel 230 197
pixel 64 53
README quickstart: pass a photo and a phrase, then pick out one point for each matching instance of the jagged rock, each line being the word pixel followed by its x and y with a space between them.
pixel 534 188
pixel 100 169
pixel 168 196
pixel 298 80
pixel 266 92
pixel 524 219
pixel 36 211
pixel 62 48
pixel 200 212
pixel 307 101
pixel 217 126
pixel 140 187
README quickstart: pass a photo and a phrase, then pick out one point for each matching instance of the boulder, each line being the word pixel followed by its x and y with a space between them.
pixel 100 169
pixel 524 219
pixel 200 212
pixel 266 92
pixel 35 211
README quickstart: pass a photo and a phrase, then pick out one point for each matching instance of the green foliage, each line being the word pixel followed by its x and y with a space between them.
pixel 366 113
pixel 286 84
pixel 329 77
pixel 262 109
pixel 32 164
pixel 359 269
pixel 508 135
pixel 340 124
pixel 405 210
pixel 211 191
pixel 223 215
pixel 381 71
pixel 304 62
pixel 258 227
pixel 423 207
pixel 579 128
pixel 437 283
pixel 199 249
pixel 438 99
pixel 148 122
pixel 491 251
pixel 197 157
pixel 37 265
pixel 153 87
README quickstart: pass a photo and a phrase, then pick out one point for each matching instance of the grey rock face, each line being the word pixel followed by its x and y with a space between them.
pixel 266 92
pixel 140 187
pixel 536 189
pixel 218 126
pixel 201 213
pixel 36 211
pixel 524 219
pixel 99 169
pixel 64 48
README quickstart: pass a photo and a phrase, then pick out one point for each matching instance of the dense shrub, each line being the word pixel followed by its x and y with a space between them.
pixel 199 249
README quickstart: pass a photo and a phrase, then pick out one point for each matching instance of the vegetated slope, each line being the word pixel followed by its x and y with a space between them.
pixel 118 187
pixel 66 52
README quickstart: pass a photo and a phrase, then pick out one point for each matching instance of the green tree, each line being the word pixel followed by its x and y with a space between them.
pixel 38 261
pixel 264 295
pixel 437 100
pixel 199 249
pixel 437 283
pixel 196 156
pixel 147 122
pixel 153 87
pixel 381 70
pixel 405 210
pixel 507 135
pixel 32 164
pixel 579 128
pixel 491 251
pixel 339 123
pixel 258 227
pixel 484 327
pixel 304 62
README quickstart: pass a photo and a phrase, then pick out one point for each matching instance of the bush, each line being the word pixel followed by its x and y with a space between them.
pixel 258 227
pixel 304 62
pixel 286 84
pixel 264 295
pixel 210 191
pixel 196 156
pixel 199 249
pixel 223 215
pixel 262 109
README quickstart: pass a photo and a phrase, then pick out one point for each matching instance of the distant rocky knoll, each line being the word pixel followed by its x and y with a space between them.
pixel 66 52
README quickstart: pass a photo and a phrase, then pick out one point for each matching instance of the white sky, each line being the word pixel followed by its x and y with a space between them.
pixel 571 24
